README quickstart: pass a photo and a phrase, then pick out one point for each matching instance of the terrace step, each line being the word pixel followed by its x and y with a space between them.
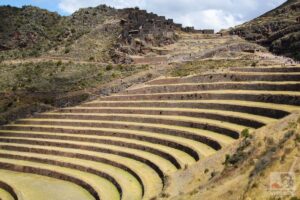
pixel 7 192
pixel 278 97
pixel 30 187
pixel 4 195
pixel 226 128
pixel 189 87
pixel 185 132
pixel 98 187
pixel 272 110
pixel 151 182
pixel 126 184
pixel 159 164
pixel 231 76
pixel 240 118
pixel 123 146
pixel 189 146
pixel 174 155
pixel 266 69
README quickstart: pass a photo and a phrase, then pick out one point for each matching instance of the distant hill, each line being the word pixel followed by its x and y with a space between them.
pixel 99 34
pixel 278 29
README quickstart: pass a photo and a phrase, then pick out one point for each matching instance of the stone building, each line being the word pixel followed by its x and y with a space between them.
pixel 149 28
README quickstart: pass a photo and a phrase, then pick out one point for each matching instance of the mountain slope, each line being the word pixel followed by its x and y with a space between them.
pixel 278 29
pixel 98 34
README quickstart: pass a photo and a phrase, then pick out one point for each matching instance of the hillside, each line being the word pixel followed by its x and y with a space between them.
pixel 122 104
pixel 93 34
pixel 278 29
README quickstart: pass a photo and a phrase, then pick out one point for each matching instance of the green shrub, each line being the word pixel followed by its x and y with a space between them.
pixel 254 64
pixel 59 63
pixel 109 67
pixel 67 50
pixel 298 138
pixel 245 133
pixel 34 53
pixel 294 198
pixel 63 68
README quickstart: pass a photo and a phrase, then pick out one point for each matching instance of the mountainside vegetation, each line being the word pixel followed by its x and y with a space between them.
pixel 90 34
pixel 31 32
pixel 278 29
pixel 122 104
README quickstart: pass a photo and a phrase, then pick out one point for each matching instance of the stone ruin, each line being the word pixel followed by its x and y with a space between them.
pixel 142 30
pixel 191 29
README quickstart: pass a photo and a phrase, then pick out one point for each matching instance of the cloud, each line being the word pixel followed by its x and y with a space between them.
pixel 216 14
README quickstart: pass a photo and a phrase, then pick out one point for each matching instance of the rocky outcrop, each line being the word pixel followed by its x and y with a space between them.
pixel 278 29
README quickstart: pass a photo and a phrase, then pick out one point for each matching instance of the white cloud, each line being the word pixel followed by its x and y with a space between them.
pixel 215 14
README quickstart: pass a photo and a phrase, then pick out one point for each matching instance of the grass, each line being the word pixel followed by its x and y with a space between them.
pixel 40 187
pixel 131 109
pixel 148 176
pixel 198 77
pixel 59 77
pixel 103 187
pixel 283 107
pixel 132 117
pixel 30 85
pixel 254 92
pixel 199 66
pixel 179 155
pixel 202 149
pixel 4 195
pixel 130 186
pixel 193 131
pixel 165 165
pixel 196 86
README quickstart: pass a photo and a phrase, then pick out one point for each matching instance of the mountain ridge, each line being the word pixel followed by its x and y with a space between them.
pixel 278 29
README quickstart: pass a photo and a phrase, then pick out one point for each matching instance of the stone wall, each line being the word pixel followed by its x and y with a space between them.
pixel 141 30
pixel 191 29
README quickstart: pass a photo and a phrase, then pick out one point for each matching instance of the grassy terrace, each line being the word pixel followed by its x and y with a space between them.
pixel 229 76
pixel 4 195
pixel 280 97
pixel 26 186
pixel 124 146
pixel 295 93
pixel 173 141
pixel 96 184
pixel 145 118
pixel 166 129
pixel 180 156
pixel 163 164
pixel 128 184
pixel 104 103
pixel 7 191
pixel 149 177
pixel 266 69
pixel 258 85
pixel 166 111
pixel 184 121
pixel 231 105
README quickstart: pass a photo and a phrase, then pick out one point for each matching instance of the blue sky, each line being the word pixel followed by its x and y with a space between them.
pixel 52 5
pixel 216 14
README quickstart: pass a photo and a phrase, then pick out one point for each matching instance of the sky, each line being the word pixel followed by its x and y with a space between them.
pixel 202 14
